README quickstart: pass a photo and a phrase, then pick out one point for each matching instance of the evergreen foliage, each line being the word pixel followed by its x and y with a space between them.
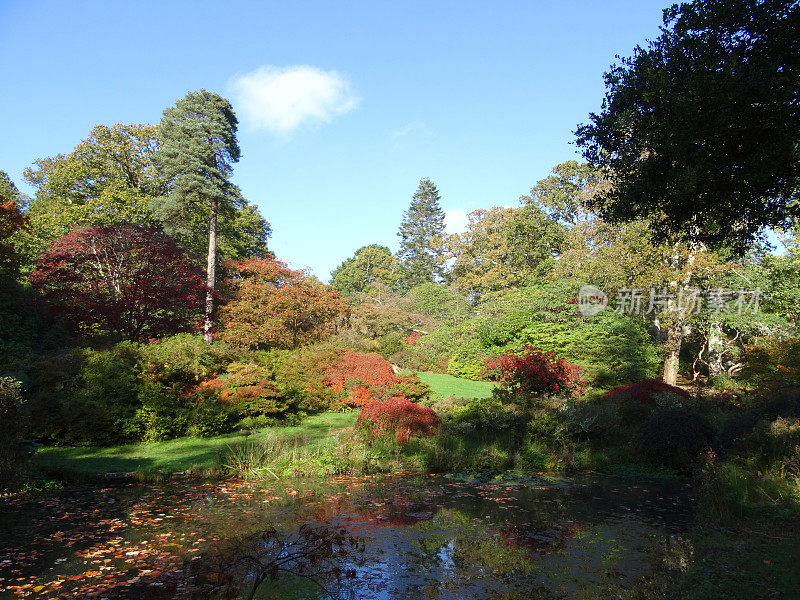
pixel 421 235
pixel 196 159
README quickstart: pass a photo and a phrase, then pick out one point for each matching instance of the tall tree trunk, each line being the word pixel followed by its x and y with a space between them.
pixel 716 348
pixel 673 350
pixel 677 322
pixel 208 334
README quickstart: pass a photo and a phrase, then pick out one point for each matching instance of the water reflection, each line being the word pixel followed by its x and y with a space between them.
pixel 439 538
pixel 422 537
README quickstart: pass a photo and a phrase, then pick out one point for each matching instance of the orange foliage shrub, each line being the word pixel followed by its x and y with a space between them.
pixel 247 387
pixel 770 360
pixel 362 376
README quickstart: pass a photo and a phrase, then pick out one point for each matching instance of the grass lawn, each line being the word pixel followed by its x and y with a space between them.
pixel 443 386
pixel 183 453
pixel 202 454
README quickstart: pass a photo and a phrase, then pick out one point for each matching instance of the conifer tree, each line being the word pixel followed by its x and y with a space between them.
pixel 199 147
pixel 421 234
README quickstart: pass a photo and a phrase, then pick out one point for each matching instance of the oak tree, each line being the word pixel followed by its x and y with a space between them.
pixel 699 131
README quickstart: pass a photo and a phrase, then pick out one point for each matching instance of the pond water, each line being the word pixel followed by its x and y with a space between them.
pixel 378 537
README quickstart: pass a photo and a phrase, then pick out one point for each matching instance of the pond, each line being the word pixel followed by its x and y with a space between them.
pixel 381 537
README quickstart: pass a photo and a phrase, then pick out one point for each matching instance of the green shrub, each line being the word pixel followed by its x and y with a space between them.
pixel 465 369
pixel 673 437
pixel 14 417
pixel 724 382
pixel 532 458
pixel 768 407
pixel 410 386
pixel 390 344
pixel 487 414
pixel 212 418
pixel 184 360
pixel 301 377
pixel 546 428
pixel 160 415
pixel 597 419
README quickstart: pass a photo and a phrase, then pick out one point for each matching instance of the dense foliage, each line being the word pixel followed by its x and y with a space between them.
pixel 397 418
pixel 133 282
pixel 13 415
pixel 531 374
pixel 272 306
pixel 700 128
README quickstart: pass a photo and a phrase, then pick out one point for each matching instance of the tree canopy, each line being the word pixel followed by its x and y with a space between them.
pixel 270 305
pixel 131 281
pixel 502 247
pixel 370 265
pixel 420 234
pixel 110 178
pixel 699 131
pixel 199 148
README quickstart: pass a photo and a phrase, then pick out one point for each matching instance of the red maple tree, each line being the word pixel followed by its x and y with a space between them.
pixel 131 281
pixel 11 221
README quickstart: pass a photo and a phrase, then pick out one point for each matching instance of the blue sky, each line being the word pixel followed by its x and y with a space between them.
pixel 343 106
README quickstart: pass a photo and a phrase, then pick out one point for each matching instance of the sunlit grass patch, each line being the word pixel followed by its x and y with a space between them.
pixel 197 454
pixel 443 386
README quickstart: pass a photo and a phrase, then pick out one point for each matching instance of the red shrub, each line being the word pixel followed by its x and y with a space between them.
pixel 398 418
pixel 532 373
pixel 642 391
pixel 413 339
pixel 360 396
pixel 363 376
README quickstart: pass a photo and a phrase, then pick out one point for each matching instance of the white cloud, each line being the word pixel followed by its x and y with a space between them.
pixel 280 99
pixel 455 220
pixel 412 128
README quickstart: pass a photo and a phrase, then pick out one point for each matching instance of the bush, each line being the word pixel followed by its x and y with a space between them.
pixel 390 344
pixel 211 418
pixel 160 416
pixel 397 419
pixel 246 388
pixel 594 419
pixel 644 391
pixel 410 386
pixel 184 360
pixel 467 370
pixel 531 374
pixel 784 403
pixel 90 397
pixel 302 377
pixel 13 416
pixel 674 438
pixel 486 414
pixel 772 361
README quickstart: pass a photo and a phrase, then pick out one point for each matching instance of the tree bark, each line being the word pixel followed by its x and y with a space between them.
pixel 716 349
pixel 676 324
pixel 208 324
pixel 673 350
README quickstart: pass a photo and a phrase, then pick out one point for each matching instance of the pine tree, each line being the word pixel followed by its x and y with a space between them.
pixel 199 148
pixel 420 236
